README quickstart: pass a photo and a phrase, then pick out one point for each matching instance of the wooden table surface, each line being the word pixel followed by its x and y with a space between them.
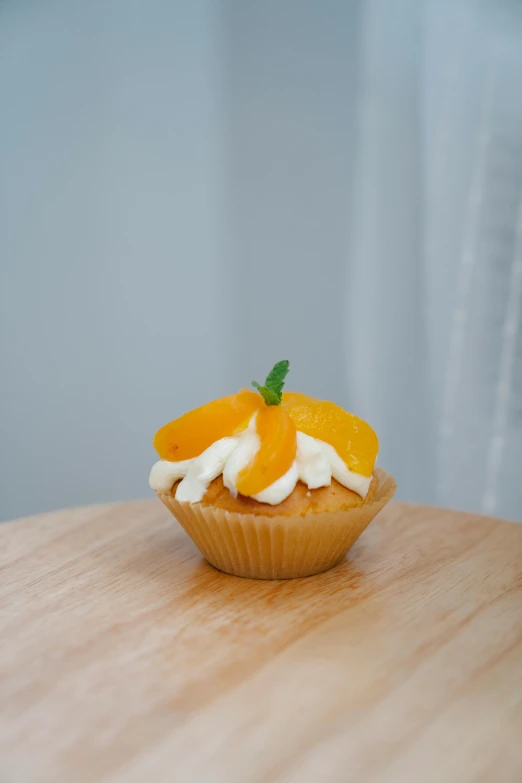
pixel 124 658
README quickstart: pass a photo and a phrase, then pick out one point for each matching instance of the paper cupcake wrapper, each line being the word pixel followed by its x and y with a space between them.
pixel 280 547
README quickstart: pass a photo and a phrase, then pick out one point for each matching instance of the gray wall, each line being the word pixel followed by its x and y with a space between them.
pixel 175 176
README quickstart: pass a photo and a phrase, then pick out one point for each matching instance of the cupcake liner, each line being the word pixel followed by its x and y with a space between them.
pixel 280 547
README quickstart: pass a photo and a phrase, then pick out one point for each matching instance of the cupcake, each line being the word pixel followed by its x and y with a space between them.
pixel 270 484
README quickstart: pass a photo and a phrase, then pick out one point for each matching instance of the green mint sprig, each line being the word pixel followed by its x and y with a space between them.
pixel 272 391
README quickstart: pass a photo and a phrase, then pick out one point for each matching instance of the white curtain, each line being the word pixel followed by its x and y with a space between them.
pixel 190 191
pixel 436 270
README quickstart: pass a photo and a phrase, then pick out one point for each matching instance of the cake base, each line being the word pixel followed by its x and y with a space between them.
pixel 277 547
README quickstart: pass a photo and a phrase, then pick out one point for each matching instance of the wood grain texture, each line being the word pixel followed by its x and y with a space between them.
pixel 125 658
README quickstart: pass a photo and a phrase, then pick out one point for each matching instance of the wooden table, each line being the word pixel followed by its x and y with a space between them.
pixel 125 658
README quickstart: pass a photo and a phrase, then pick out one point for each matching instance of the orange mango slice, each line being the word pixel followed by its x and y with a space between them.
pixel 194 432
pixel 352 438
pixel 276 454
pixel 297 398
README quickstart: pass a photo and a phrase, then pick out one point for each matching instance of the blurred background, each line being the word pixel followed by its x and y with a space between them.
pixel 191 191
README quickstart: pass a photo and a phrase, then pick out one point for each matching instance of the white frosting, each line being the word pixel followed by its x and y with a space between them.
pixel 315 464
pixel 204 469
pixel 248 444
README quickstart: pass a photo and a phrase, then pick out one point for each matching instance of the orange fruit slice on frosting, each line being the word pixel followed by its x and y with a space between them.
pixel 276 454
pixel 297 398
pixel 352 438
pixel 191 434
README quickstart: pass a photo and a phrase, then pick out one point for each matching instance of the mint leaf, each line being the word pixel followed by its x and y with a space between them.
pixel 272 391
pixel 275 380
pixel 268 395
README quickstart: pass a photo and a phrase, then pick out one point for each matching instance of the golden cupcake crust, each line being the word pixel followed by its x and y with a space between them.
pixel 302 500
